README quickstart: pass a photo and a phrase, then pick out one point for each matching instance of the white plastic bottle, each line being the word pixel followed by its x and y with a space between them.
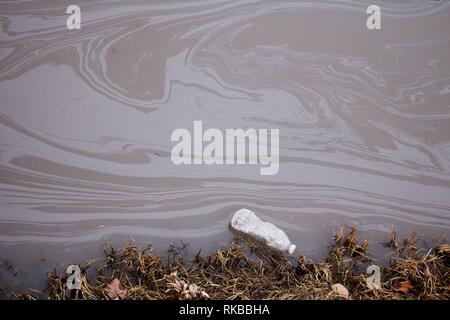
pixel 247 222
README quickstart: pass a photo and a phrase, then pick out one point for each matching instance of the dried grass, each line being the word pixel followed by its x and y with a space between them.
pixel 247 271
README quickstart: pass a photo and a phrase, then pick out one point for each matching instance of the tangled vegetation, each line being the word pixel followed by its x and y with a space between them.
pixel 246 270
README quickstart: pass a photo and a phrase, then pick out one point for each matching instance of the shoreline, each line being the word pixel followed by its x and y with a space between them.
pixel 248 270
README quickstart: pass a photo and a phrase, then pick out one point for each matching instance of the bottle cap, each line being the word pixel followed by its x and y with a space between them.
pixel 292 248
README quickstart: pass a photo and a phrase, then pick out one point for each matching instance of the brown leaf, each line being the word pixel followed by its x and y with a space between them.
pixel 403 286
pixel 184 290
pixel 115 290
pixel 340 290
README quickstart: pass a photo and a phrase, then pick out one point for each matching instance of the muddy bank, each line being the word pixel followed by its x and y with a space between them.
pixel 245 270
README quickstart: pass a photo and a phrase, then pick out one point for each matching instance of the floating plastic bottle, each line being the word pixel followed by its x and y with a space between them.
pixel 247 222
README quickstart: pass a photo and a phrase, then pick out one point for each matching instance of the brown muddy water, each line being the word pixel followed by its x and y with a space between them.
pixel 86 117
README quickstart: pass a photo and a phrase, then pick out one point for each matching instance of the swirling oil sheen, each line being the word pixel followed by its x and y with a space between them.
pixel 86 117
